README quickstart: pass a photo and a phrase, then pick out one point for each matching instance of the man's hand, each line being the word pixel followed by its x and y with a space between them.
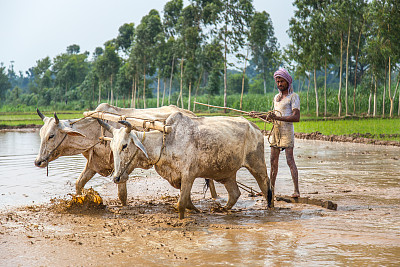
pixel 272 116
pixel 254 114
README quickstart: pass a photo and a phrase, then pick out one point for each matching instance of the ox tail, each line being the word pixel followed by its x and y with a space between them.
pixel 269 197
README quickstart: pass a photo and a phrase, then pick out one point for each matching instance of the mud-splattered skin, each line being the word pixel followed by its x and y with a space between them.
pixel 208 147
pixel 66 138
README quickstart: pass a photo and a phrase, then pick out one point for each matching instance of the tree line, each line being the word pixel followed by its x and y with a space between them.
pixel 212 47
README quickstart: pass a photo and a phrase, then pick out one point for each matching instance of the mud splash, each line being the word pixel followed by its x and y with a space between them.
pixel 89 199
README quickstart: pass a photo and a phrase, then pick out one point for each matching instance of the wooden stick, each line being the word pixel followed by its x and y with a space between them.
pixel 311 201
pixel 148 124
pixel 237 110
pixel 105 138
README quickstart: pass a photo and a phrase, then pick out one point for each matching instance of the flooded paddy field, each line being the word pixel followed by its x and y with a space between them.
pixel 363 180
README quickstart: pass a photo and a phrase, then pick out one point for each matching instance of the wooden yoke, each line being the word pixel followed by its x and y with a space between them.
pixel 144 123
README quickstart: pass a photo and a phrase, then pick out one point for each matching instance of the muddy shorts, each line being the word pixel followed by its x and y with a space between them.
pixel 282 136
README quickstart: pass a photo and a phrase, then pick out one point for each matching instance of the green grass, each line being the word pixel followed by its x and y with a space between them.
pixel 25 118
pixel 374 128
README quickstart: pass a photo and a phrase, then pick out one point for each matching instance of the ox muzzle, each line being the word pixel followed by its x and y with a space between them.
pixel 118 179
pixel 41 163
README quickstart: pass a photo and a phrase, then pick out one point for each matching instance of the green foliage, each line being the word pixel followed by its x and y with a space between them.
pixel 235 83
pixel 4 83
pixel 202 35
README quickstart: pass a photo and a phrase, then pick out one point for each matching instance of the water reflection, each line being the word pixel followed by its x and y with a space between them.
pixel 23 183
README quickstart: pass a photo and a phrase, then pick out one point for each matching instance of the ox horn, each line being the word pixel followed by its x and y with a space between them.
pixel 107 126
pixel 55 117
pixel 127 125
pixel 40 114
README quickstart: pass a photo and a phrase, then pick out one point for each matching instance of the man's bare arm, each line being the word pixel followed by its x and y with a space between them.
pixel 295 117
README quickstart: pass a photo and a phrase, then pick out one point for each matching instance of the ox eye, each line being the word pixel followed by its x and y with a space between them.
pixel 124 146
pixel 51 136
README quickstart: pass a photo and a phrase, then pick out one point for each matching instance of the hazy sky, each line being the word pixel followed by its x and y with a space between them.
pixel 33 29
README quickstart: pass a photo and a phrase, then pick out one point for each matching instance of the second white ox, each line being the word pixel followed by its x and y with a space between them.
pixel 209 147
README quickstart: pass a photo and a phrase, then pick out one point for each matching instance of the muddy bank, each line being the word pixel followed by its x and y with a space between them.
pixel 352 138
pixel 20 128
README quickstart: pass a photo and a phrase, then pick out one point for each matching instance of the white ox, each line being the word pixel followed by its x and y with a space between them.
pixel 208 147
pixel 72 137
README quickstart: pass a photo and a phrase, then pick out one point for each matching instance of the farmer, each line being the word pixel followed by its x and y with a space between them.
pixel 287 111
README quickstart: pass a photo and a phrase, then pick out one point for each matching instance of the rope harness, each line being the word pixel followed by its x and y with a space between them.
pixel 134 155
pixel 46 159
pixel 124 117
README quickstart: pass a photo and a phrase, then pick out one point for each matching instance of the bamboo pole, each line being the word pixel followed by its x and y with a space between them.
pixel 144 123
pixel 237 110
pixel 233 109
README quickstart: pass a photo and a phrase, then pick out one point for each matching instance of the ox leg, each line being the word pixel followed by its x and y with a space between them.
pixel 184 198
pixel 122 193
pixel 233 192
pixel 84 177
pixel 214 194
pixel 260 173
pixel 191 206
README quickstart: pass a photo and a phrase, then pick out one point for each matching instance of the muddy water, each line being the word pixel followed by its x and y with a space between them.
pixel 363 180
pixel 21 183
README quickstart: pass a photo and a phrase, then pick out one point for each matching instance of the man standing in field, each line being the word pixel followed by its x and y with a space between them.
pixel 287 111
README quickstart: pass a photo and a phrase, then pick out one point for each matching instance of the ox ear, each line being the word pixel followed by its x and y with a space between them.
pixel 72 132
pixel 68 130
pixel 106 126
pixel 138 143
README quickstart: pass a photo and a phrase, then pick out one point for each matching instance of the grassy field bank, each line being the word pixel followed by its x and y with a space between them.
pixel 375 128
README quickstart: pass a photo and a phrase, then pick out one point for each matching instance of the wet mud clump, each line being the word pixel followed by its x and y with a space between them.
pixel 88 200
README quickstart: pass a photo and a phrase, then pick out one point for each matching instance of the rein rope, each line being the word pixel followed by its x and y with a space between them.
pixel 51 153
pixel 137 150
pixel 275 123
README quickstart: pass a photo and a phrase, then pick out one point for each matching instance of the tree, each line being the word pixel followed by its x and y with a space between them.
pixel 111 64
pixel 235 83
pixel 172 13
pixel 149 28
pixel 126 36
pixel 231 26
pixel 386 17
pixel 264 46
pixel 70 71
pixel 5 85
pixel 73 49
pixel 190 37
pixel 212 61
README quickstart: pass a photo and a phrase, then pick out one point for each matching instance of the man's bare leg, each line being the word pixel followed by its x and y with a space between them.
pixel 274 165
pixel 293 170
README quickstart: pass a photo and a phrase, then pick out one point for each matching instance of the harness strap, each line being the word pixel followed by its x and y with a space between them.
pixel 51 153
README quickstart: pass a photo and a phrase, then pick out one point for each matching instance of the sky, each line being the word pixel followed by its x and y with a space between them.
pixel 34 29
